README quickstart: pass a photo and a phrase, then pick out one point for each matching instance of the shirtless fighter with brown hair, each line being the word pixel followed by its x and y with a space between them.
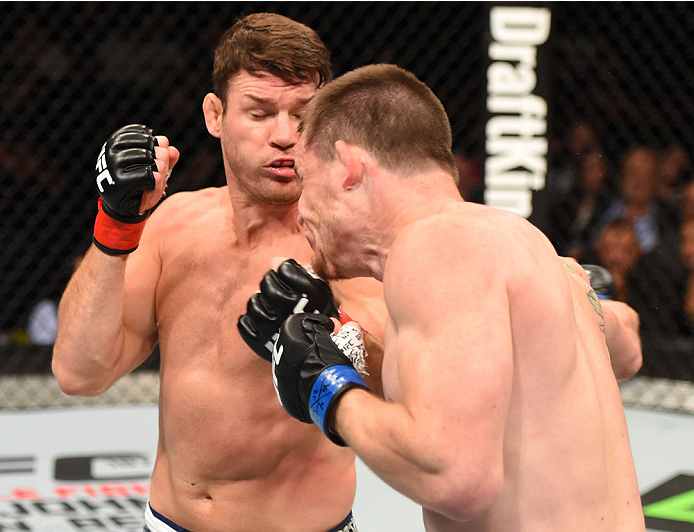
pixel 228 458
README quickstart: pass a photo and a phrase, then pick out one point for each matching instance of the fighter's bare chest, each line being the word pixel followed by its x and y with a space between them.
pixel 215 273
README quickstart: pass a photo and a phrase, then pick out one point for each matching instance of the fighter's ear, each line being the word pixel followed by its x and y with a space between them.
pixel 351 157
pixel 213 109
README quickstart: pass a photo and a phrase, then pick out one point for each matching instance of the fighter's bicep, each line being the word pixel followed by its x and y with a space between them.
pixel 453 336
pixel 455 323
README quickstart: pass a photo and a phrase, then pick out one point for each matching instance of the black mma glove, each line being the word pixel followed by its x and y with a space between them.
pixel 310 372
pixel 601 281
pixel 124 170
pixel 284 292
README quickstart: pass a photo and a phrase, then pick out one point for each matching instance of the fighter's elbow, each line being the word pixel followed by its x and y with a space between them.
pixel 626 356
pixel 71 382
pixel 628 367
pixel 622 338
pixel 466 496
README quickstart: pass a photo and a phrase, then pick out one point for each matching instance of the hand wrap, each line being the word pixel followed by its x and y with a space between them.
pixel 350 340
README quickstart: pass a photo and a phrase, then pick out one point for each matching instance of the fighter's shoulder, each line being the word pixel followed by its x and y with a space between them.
pixel 185 204
pixel 458 229
pixel 576 270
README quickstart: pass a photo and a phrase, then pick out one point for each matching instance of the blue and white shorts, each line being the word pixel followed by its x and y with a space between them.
pixel 155 522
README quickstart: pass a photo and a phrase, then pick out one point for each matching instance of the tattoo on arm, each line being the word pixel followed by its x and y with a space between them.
pixel 595 303
pixel 569 268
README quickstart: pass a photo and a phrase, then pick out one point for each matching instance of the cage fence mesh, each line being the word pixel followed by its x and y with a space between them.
pixel 620 137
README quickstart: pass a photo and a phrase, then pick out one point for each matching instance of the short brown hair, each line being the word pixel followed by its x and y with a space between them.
pixel 268 42
pixel 387 111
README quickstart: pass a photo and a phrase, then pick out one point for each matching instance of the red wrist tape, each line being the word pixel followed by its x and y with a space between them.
pixel 344 319
pixel 115 237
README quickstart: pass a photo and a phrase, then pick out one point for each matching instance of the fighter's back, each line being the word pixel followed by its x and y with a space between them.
pixel 567 459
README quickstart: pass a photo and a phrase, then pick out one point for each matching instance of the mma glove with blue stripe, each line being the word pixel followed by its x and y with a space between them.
pixel 311 372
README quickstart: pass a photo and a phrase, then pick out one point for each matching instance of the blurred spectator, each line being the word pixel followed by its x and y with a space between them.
pixel 618 251
pixel 42 324
pixel 581 139
pixel 687 258
pixel 661 288
pixel 655 224
pixel 687 201
pixel 671 174
pixel 573 219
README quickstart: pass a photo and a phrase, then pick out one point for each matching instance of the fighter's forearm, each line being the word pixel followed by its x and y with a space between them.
pixel 622 337
pixel 384 436
pixel 405 455
pixel 90 324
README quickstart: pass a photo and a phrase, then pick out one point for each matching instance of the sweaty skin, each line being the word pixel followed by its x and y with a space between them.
pixel 512 428
pixel 228 458
pixel 502 412
pixel 226 453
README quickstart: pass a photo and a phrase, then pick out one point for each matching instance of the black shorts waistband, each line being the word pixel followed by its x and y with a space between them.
pixel 347 524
